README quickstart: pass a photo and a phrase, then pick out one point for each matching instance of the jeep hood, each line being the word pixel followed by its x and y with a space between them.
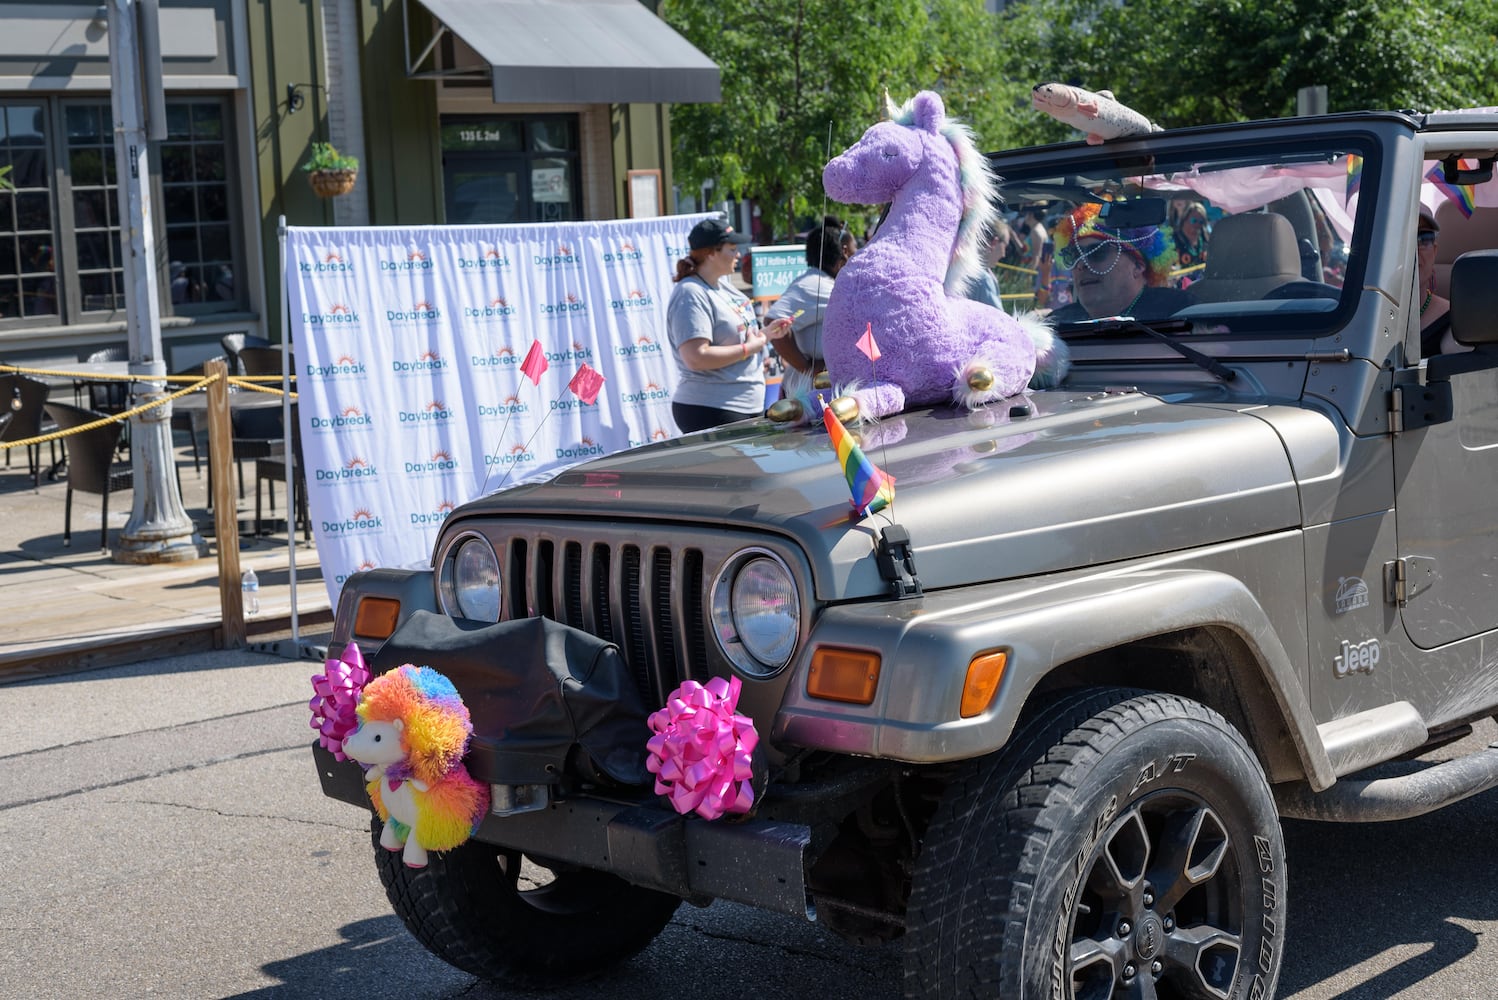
pixel 1037 484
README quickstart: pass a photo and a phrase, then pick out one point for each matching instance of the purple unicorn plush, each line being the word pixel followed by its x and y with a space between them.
pixel 907 284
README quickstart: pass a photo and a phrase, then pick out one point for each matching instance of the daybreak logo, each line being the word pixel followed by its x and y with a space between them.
pixel 568 305
pixel 577 352
pixel 586 448
pixel 440 464
pixel 489 260
pixel 351 419
pixel 636 299
pixel 509 407
pixel 501 358
pixel 517 455
pixel 428 361
pixel 649 394
pixel 363 567
pixel 627 253
pixel 345 367
pixel 561 256
pixel 338 314
pixel 354 468
pixel 656 434
pixel 676 253
pixel 422 312
pixel 328 263
pixel 496 310
pixel 414 260
pixel 435 517
pixel 642 347
pixel 362 523
pixel 435 412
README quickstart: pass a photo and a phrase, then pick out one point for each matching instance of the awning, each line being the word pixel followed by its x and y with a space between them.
pixel 580 52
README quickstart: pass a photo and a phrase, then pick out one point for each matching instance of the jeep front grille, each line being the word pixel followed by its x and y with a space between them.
pixel 645 598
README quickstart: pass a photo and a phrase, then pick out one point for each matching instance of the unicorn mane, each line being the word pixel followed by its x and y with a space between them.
pixel 979 187
pixel 435 722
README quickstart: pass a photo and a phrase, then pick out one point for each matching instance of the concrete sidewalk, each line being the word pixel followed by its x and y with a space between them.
pixel 75 608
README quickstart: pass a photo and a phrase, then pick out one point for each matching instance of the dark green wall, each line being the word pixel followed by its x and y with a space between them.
pixel 400 120
pixel 399 170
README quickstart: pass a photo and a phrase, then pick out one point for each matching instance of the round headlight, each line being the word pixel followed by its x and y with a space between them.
pixel 470 581
pixel 756 612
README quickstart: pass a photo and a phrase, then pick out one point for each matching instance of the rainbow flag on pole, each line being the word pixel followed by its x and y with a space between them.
pixel 1460 193
pixel 872 489
pixel 1354 174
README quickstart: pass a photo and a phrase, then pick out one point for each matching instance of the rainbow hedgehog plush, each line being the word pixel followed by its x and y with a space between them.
pixel 413 731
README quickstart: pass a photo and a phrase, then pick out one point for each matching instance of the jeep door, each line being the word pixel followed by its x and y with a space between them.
pixel 1446 478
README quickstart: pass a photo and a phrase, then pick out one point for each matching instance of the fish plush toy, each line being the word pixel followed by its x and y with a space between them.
pixel 1099 115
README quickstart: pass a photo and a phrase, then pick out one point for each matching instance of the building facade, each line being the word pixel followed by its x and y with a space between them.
pixel 460 112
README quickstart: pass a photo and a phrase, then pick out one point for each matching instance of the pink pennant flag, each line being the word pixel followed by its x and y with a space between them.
pixel 535 363
pixel 586 384
pixel 867 345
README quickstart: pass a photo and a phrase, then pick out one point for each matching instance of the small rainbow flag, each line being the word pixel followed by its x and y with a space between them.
pixel 1459 193
pixel 872 489
pixel 1354 174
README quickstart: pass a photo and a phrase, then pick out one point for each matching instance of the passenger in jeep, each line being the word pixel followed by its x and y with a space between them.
pixel 1115 272
pixel 1435 314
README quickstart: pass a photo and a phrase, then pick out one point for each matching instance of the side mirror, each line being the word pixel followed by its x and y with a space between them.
pixel 1474 298
pixel 1474 316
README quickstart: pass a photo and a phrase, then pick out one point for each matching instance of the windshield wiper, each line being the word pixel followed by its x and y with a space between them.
pixel 1128 324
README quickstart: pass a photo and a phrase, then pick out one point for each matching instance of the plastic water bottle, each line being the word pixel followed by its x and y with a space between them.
pixel 249 585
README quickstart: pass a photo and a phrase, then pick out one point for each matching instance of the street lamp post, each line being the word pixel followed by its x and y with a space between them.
pixel 159 530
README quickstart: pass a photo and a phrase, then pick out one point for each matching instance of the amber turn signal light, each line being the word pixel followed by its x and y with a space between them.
pixel 376 617
pixel 850 675
pixel 983 676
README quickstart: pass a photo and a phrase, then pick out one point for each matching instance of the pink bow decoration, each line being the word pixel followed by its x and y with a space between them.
pixel 702 752
pixel 337 695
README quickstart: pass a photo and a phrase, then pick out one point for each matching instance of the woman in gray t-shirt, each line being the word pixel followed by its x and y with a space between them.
pixel 714 333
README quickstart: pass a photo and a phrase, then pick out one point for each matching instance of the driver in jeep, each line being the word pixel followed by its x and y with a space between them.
pixel 1115 271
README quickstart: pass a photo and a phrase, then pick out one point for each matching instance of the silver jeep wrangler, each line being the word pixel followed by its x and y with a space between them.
pixel 1042 716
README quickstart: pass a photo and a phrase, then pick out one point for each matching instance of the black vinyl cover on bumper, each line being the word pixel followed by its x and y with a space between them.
pixel 535 689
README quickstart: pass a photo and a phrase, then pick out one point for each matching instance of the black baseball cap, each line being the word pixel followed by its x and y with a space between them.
pixel 711 233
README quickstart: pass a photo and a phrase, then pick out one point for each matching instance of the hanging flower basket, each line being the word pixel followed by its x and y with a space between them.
pixel 332 183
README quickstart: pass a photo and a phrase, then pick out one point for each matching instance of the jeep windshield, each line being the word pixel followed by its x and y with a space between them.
pixel 1244 237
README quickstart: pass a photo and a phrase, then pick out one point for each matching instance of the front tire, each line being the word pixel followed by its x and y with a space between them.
pixel 470 908
pixel 1125 844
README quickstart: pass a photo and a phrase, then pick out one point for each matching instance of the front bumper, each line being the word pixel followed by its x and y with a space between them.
pixel 757 862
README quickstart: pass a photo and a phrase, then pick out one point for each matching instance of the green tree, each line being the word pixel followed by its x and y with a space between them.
pixel 1191 62
pixel 802 79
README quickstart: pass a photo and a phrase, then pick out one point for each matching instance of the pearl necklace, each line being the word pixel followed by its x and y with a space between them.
pixel 1426 304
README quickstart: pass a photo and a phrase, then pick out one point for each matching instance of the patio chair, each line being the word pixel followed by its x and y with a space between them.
pixel 191 422
pixel 108 396
pixel 233 343
pixel 91 464
pixel 24 398
pixel 272 470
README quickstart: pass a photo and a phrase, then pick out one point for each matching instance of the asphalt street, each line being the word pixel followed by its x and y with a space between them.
pixel 165 836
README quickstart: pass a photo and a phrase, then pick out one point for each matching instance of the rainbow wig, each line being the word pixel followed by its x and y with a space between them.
pixel 1151 244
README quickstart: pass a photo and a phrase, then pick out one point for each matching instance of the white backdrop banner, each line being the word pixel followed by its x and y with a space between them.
pixel 408 347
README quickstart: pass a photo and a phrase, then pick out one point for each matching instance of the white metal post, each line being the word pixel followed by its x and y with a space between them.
pixel 159 529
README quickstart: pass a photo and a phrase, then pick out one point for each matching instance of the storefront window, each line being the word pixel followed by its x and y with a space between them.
pixel 28 280
pixel 515 168
pixel 95 198
pixel 60 247
pixel 195 196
